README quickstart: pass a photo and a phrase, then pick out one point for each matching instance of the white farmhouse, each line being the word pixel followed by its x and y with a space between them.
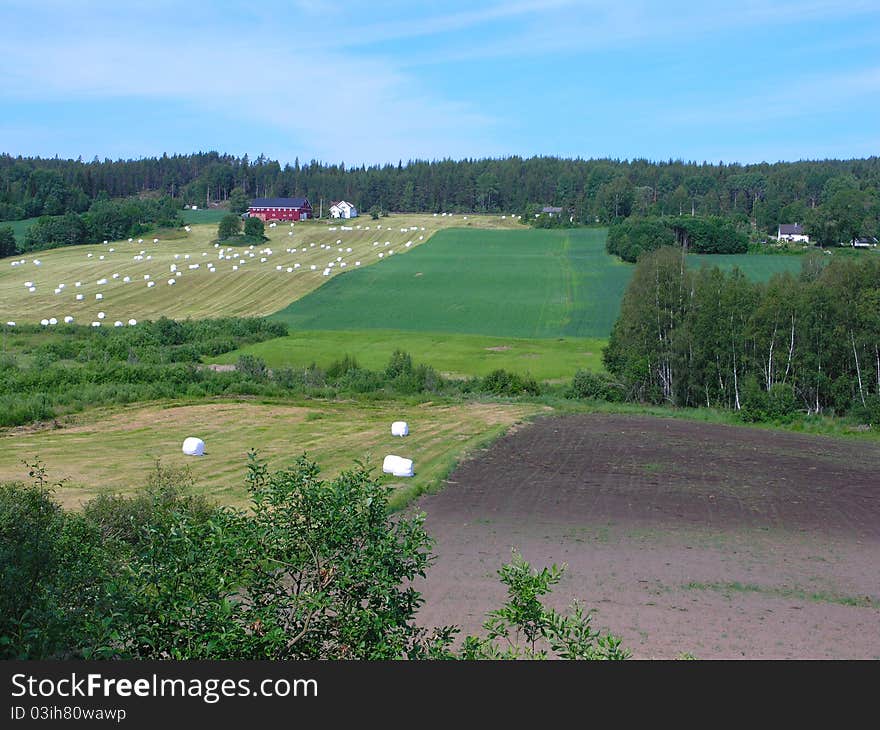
pixel 341 209
pixel 792 232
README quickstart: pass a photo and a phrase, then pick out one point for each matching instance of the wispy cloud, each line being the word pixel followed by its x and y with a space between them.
pixel 327 100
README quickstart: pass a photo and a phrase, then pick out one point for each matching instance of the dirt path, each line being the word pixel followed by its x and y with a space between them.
pixel 686 537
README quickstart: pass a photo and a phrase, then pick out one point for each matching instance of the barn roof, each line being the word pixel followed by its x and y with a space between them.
pixel 279 202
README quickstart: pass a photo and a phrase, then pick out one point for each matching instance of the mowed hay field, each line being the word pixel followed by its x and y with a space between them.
pixel 113 451
pixel 252 288
pixel 519 283
pixel 453 355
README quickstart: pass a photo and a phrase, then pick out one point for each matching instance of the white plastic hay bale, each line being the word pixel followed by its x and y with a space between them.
pixel 115 276
pixel 112 250
pixel 118 323
pixel 357 263
pixel 397 466
pixel 101 281
pixel 146 277
pixel 79 297
pixel 79 283
pixel 400 428
pixel 193 446
pixel 132 322
pixel 53 320
pixel 126 279
pixel 313 267
pixel 44 322
pixel 10 324
pixel 96 324
pixel 68 319
pixel 155 240
pixel 172 282
pixel 235 268
pixel 100 258
pixel 32 289
pixel 151 284
pixel 99 296
pixel 101 315
pixel 29 284
pixel 57 290
pixel 130 240
pixel 295 266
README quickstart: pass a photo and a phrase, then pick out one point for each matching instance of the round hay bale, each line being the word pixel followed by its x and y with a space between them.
pixel 193 446
pixel 400 428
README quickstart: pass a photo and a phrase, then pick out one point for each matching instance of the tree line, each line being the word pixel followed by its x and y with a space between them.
pixel 632 237
pixel 808 343
pixel 837 198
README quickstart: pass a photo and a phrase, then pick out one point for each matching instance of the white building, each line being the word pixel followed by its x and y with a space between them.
pixel 792 232
pixel 341 209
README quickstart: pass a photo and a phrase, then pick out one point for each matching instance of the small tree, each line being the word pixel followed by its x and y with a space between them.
pixel 375 211
pixel 254 227
pixel 7 241
pixel 238 201
pixel 230 225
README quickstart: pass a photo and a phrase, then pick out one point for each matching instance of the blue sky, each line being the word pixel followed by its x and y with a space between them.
pixel 375 82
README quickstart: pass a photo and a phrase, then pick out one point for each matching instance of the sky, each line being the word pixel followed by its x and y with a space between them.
pixel 378 82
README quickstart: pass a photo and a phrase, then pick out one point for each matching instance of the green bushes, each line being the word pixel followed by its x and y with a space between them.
pixel 501 382
pixel 314 569
pixel 595 386
pixel 634 236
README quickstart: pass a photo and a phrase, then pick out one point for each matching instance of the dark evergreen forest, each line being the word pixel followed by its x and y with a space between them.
pixel 836 198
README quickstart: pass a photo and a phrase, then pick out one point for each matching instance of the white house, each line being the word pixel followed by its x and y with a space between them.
pixel 864 242
pixel 792 232
pixel 341 209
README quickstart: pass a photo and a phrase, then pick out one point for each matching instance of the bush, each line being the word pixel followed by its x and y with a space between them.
pixel 595 386
pixel 254 228
pixel 778 405
pixel 501 382
pixel 230 226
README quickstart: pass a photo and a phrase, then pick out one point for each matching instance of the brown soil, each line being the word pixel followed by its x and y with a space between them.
pixel 715 540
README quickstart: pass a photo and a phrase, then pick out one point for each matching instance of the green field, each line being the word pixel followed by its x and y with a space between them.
pixel 19 228
pixel 209 216
pixel 757 267
pixel 112 451
pixel 525 283
pixel 454 355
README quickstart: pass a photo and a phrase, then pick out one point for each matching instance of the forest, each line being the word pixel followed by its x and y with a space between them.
pixel 838 199
pixel 808 344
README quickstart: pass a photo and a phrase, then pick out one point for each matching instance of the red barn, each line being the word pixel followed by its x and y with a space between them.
pixel 280 209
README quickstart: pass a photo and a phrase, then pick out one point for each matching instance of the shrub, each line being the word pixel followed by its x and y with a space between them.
pixel 595 386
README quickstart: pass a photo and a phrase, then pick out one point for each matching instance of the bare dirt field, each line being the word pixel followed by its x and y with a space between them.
pixel 718 541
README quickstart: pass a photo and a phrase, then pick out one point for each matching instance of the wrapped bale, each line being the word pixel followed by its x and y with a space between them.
pixel 399 428
pixel 397 466
pixel 193 446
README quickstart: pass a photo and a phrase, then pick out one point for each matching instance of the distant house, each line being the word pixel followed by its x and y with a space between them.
pixel 551 211
pixel 341 209
pixel 280 209
pixel 792 232
pixel 864 242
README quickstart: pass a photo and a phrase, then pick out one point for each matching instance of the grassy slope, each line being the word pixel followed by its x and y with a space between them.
pixel 453 354
pixel 523 283
pixel 255 289
pixel 113 450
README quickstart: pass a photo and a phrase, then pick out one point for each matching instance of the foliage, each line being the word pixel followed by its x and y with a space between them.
pixel 254 228
pixel 229 227
pixel 524 628
pixel 599 190
pixel 315 570
pixel 104 220
pixel 595 386
pixel 712 235
pixel 8 246
pixel 501 382
pixel 767 350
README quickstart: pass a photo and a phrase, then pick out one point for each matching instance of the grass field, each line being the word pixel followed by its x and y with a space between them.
pixel 454 355
pixel 255 288
pixel 19 228
pixel 525 283
pixel 757 267
pixel 114 450
pixel 211 216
